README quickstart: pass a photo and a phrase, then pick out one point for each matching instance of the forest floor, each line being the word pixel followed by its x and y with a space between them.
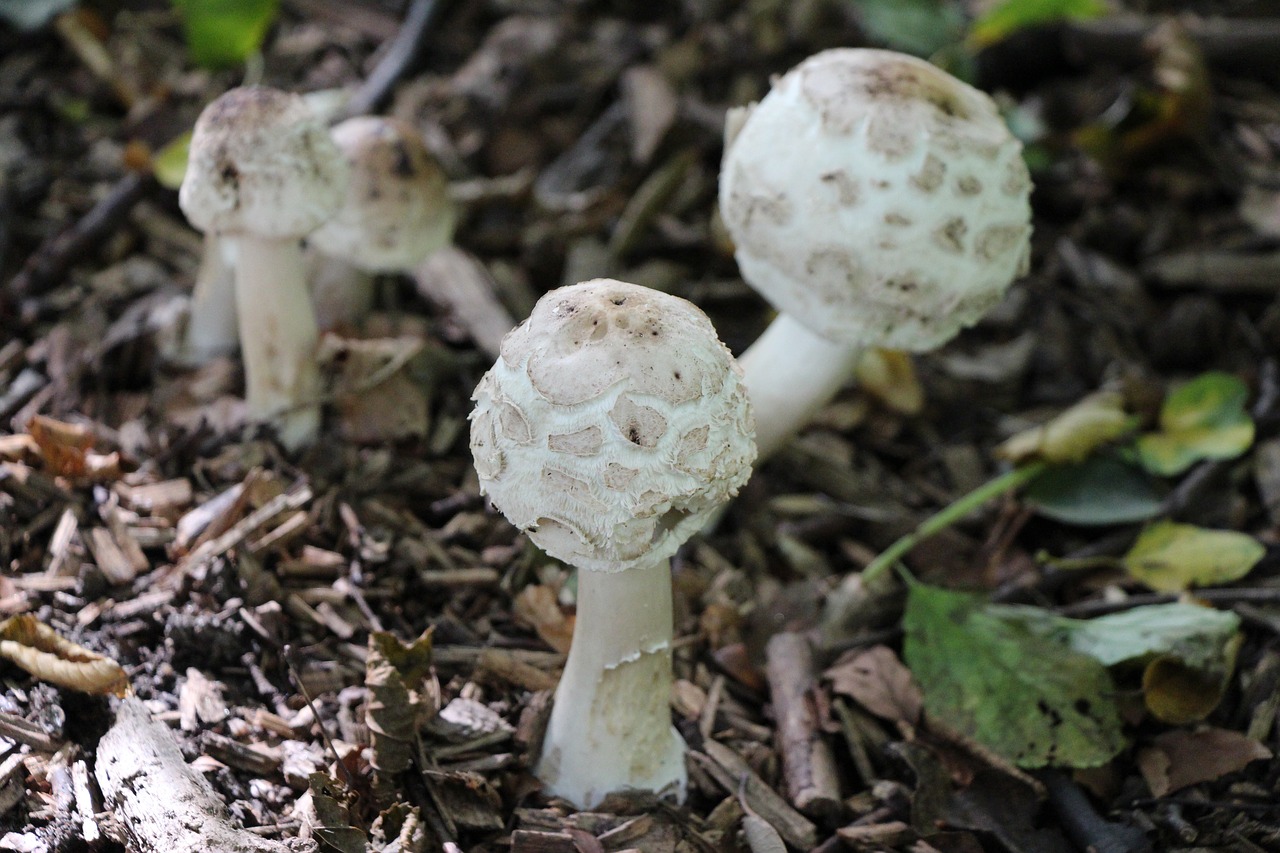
pixel 238 585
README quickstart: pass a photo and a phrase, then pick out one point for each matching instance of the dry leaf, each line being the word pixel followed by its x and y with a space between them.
pixel 1185 757
pixel 536 605
pixel 375 395
pixel 879 682
pixel 890 377
pixel 63 446
pixel 30 644
pixel 1073 435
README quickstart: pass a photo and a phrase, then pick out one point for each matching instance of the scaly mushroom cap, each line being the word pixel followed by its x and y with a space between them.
pixel 397 209
pixel 877 199
pixel 261 163
pixel 612 424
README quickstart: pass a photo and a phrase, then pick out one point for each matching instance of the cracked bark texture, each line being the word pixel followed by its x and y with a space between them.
pixel 162 804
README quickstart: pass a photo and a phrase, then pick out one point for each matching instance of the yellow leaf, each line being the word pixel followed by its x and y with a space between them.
pixel 37 648
pixel 1171 557
pixel 1073 435
pixel 890 377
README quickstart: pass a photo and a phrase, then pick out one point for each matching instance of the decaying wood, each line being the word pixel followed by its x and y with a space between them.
pixel 807 762
pixel 163 805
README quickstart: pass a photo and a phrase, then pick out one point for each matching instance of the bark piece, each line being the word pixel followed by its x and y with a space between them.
pixel 164 805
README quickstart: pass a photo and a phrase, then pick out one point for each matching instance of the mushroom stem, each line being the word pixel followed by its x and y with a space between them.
pixel 790 373
pixel 610 727
pixel 341 292
pixel 278 337
pixel 211 325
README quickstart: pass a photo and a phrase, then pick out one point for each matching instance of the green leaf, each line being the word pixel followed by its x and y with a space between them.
pixel 991 672
pixel 1188 653
pixel 222 33
pixel 1171 557
pixel 1101 490
pixel 1004 19
pixel 1195 635
pixel 919 27
pixel 169 164
pixel 1203 419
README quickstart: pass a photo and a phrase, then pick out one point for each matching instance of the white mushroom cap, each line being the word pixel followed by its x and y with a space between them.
pixel 261 163
pixel 875 198
pixel 397 209
pixel 613 423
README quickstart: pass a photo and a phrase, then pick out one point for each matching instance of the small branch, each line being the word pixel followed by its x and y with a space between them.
pixel 1084 825
pixel 55 256
pixel 807 762
pixel 1225 41
pixel 396 62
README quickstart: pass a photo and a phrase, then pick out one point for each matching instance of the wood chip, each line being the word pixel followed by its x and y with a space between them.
pixel 728 769
pixel 164 498
pixel 110 559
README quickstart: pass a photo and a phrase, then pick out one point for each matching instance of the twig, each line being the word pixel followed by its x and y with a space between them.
pixel 807 763
pixel 396 62
pixel 56 255
pixel 1083 823
pixel 241 530
pixel 296 677
pixel 1228 41
pixel 1222 597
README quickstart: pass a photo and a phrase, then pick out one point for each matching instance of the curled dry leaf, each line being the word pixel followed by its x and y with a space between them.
pixel 890 377
pixel 376 394
pixel 879 682
pixel 63 446
pixel 536 605
pixel 1185 757
pixel 1073 435
pixel 395 673
pixel 38 649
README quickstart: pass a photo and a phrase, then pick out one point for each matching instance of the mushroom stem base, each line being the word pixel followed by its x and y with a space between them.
pixel 790 373
pixel 610 726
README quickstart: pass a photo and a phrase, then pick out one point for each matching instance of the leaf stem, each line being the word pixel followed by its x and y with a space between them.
pixel 949 515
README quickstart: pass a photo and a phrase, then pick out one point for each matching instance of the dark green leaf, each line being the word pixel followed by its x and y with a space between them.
pixel 1101 490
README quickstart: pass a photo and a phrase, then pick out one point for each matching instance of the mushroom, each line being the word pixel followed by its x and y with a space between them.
pixel 211 322
pixel 396 212
pixel 613 423
pixel 875 201
pixel 262 173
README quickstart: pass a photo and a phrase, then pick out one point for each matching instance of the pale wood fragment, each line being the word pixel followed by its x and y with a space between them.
pixel 163 805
